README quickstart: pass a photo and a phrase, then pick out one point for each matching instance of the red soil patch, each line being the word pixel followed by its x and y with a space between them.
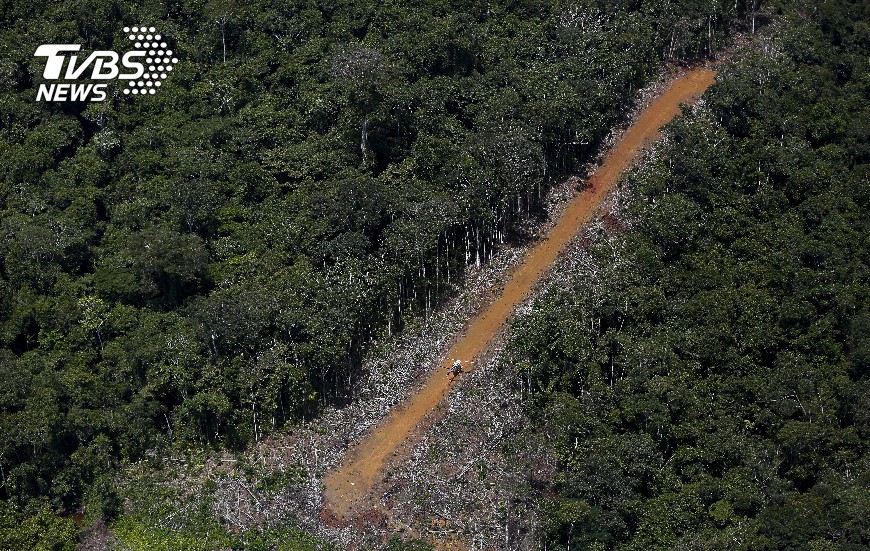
pixel 349 495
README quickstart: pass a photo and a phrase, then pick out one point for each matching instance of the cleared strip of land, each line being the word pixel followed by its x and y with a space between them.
pixel 349 489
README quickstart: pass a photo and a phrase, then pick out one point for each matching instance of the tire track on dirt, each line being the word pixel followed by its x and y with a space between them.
pixel 348 490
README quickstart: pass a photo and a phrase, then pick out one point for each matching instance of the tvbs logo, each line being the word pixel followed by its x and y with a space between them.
pixel 143 68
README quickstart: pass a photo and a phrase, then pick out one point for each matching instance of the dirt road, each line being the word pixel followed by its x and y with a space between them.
pixel 349 489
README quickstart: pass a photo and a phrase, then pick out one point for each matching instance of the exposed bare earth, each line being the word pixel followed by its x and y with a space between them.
pixel 350 490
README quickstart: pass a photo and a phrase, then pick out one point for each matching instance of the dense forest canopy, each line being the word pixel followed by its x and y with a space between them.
pixel 206 263
pixel 704 375
pixel 203 265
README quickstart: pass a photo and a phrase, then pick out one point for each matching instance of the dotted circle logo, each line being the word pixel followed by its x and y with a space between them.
pixel 158 63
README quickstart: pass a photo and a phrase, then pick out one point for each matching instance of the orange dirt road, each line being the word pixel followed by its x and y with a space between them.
pixel 349 489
